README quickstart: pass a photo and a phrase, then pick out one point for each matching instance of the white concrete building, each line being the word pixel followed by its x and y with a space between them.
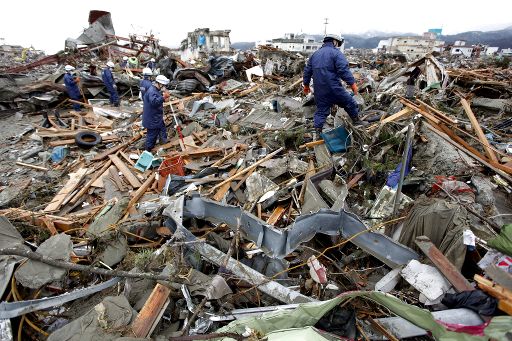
pixel 412 47
pixel 491 50
pixel 506 52
pixel 465 51
pixel 300 43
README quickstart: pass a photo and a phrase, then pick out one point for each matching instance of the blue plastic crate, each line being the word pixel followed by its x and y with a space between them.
pixel 337 140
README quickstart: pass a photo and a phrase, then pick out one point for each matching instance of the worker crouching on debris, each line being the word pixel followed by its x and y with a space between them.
pixel 153 112
pixel 152 64
pixel 71 81
pixel 327 66
pixel 108 80
pixel 124 63
pixel 145 83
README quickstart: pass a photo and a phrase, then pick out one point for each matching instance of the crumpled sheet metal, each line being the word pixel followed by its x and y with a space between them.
pixel 278 243
pixel 308 315
pixel 14 309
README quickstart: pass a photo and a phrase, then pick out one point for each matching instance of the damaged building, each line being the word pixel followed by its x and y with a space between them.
pixel 244 225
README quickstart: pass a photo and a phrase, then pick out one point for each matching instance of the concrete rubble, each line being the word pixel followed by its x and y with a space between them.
pixel 243 215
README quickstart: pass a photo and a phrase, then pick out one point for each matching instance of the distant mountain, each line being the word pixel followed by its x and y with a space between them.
pixel 244 45
pixel 501 38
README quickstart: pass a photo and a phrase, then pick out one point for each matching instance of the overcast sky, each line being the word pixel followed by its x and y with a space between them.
pixel 46 24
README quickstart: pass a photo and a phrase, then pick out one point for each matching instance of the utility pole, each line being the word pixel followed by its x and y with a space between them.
pixel 326 22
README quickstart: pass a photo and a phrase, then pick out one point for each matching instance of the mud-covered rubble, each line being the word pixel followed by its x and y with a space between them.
pixel 245 227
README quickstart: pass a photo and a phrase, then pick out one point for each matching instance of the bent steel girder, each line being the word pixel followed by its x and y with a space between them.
pixel 278 243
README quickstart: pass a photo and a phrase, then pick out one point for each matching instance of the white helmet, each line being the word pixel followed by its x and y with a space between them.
pixel 162 80
pixel 125 58
pixel 69 68
pixel 110 64
pixel 153 60
pixel 147 71
pixel 329 37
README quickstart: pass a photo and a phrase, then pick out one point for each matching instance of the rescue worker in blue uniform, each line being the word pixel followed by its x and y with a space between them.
pixel 146 82
pixel 108 80
pixel 71 83
pixel 153 112
pixel 124 63
pixel 327 67
pixel 152 64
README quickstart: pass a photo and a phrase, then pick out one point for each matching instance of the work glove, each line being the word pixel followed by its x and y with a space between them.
pixel 354 89
pixel 306 89
pixel 115 87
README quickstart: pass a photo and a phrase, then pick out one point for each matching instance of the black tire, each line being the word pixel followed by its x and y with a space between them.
pixel 87 139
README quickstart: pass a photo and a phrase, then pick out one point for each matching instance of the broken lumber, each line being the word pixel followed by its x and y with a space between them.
pixel 446 267
pixel 478 130
pixel 311 144
pixel 276 215
pixel 129 176
pixel 221 192
pixel 32 166
pixel 402 113
pixel 151 312
pixel 247 169
pixel 90 182
pixel 140 192
pixel 502 171
pixel 69 187
pixel 503 295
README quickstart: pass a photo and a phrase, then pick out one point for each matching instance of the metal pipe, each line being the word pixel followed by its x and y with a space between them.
pixel 408 142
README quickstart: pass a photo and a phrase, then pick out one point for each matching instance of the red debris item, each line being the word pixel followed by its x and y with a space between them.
pixel 317 271
pixel 459 328
pixel 451 185
pixel 172 165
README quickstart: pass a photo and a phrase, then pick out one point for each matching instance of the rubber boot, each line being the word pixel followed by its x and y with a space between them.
pixel 356 121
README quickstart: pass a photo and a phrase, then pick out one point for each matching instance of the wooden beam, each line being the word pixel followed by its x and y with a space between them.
pixel 69 187
pixel 484 161
pixel 142 189
pixel 309 173
pixel 478 130
pixel 200 152
pixel 422 112
pixel 129 176
pixel 276 215
pixel 111 138
pixel 402 113
pixel 221 192
pixel 151 312
pixel 86 187
pixel 242 181
pixel 28 165
pixel 452 274
pixel 311 144
pixel 245 170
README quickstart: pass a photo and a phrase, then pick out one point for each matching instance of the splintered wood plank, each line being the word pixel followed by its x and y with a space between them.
pixel 151 312
pixel 142 189
pixel 69 187
pixel 129 176
pixel 276 215
pixel 221 192
pixel 90 182
pixel 478 130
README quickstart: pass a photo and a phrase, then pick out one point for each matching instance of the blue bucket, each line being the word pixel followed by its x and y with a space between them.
pixel 337 140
